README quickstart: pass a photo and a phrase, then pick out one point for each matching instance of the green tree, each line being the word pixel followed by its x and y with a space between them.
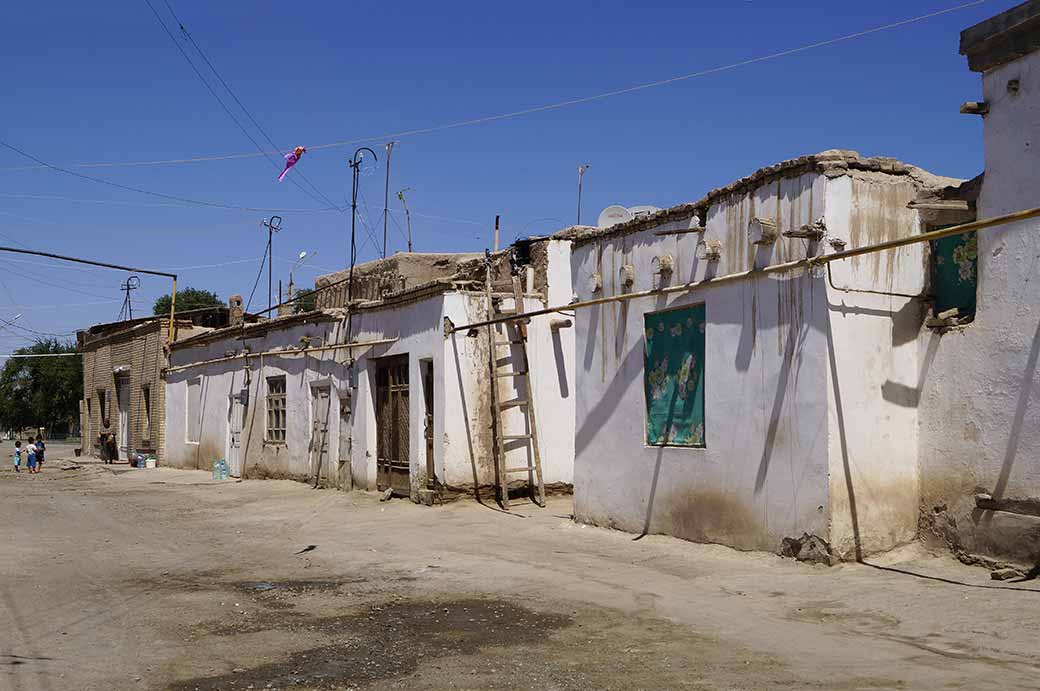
pixel 42 391
pixel 187 299
pixel 307 303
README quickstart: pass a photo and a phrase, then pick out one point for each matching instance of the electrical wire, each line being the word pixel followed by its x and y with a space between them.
pixel 13 325
pixel 121 202
pixel 321 198
pixel 557 105
pixel 161 195
pixel 258 275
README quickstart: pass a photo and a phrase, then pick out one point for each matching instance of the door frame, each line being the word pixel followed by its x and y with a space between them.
pixel 124 419
pixel 315 463
pixel 242 397
pixel 389 469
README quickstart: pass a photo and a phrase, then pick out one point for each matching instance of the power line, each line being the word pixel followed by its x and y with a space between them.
pixel 557 105
pixel 258 275
pixel 121 202
pixel 323 198
pixel 14 325
pixel 161 195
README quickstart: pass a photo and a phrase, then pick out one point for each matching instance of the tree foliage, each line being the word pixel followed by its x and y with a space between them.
pixel 187 299
pixel 307 303
pixel 41 391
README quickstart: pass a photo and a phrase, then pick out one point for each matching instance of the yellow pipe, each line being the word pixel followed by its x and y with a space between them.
pixel 173 304
pixel 807 263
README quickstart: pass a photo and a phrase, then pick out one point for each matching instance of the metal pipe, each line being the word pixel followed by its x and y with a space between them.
pixel 830 279
pixel 285 351
pixel 775 268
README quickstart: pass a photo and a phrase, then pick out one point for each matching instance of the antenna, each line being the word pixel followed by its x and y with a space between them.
pixel 133 282
pixel 581 173
pixel 386 193
pixel 273 225
pixel 407 215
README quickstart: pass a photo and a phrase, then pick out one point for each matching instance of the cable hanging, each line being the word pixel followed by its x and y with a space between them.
pixel 550 106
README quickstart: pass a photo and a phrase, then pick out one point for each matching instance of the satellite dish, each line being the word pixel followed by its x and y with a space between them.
pixel 643 210
pixel 612 215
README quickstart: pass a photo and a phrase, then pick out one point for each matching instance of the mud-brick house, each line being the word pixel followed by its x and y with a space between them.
pixel 757 406
pixel 376 393
pixel 979 396
pixel 122 378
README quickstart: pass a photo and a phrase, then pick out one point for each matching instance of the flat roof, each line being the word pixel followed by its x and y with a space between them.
pixel 1003 38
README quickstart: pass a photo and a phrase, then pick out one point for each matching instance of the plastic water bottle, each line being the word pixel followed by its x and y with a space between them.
pixel 216 469
pixel 223 469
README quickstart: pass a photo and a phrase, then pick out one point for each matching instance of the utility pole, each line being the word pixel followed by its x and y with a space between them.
pixel 581 173
pixel 386 194
pixel 273 225
pixel 355 166
pixel 131 283
pixel 407 215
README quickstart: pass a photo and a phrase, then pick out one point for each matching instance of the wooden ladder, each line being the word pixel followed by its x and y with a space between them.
pixel 513 334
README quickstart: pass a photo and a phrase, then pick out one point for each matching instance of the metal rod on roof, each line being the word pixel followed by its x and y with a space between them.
pixel 91 262
pixel 775 268
pixel 284 351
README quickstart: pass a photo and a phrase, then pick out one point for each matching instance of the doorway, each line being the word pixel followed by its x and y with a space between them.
pixel 123 408
pixel 321 400
pixel 236 419
pixel 426 370
pixel 392 431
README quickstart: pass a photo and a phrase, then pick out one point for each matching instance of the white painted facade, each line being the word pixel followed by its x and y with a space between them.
pixel 980 419
pixel 461 390
pixel 808 428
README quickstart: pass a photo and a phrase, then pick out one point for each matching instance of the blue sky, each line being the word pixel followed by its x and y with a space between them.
pixel 102 82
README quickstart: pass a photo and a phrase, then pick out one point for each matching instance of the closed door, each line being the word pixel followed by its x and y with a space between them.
pixel 321 400
pixel 392 461
pixel 123 407
pixel 236 418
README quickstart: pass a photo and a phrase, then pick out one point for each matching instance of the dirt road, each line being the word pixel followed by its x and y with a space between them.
pixel 164 579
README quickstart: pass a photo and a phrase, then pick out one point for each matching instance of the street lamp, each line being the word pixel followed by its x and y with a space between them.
pixel 302 259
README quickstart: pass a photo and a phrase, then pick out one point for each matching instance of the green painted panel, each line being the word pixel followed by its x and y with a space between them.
pixel 673 376
pixel 955 272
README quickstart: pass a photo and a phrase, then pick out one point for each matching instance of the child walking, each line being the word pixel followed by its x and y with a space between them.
pixel 41 449
pixel 18 457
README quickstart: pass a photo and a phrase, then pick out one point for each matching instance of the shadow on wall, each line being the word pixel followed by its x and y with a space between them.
pixel 465 414
pixel 844 444
pixel 910 397
pixel 561 363
pixel 1015 435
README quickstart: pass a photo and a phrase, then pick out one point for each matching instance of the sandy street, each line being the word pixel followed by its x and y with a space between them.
pixel 112 578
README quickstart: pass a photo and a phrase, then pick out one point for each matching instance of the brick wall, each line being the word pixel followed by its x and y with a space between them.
pixel 140 351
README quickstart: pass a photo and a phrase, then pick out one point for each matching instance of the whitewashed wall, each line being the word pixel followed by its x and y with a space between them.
pixel 796 415
pixel 872 371
pixel 219 380
pixel 763 474
pixel 980 426
pixel 462 405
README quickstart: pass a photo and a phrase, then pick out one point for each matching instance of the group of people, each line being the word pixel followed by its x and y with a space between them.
pixel 34 453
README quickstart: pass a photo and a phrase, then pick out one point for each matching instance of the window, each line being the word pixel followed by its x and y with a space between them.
pixel 673 376
pixel 146 405
pixel 102 399
pixel 955 273
pixel 275 410
pixel 193 410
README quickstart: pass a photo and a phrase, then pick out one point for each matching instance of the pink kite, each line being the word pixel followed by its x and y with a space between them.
pixel 291 159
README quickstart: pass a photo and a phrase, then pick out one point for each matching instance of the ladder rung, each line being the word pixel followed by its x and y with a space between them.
pixel 521 373
pixel 513 403
pixel 520 469
pixel 515 437
pixel 502 343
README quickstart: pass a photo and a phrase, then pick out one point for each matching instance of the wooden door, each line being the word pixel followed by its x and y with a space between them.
pixel 123 407
pixel 321 399
pixel 236 418
pixel 392 432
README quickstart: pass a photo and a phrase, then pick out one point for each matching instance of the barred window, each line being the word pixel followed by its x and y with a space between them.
pixel 276 410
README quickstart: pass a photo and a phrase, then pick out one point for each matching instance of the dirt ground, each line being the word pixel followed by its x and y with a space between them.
pixel 113 578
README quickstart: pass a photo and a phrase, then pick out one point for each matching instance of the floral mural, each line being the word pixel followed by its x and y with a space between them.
pixel 674 377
